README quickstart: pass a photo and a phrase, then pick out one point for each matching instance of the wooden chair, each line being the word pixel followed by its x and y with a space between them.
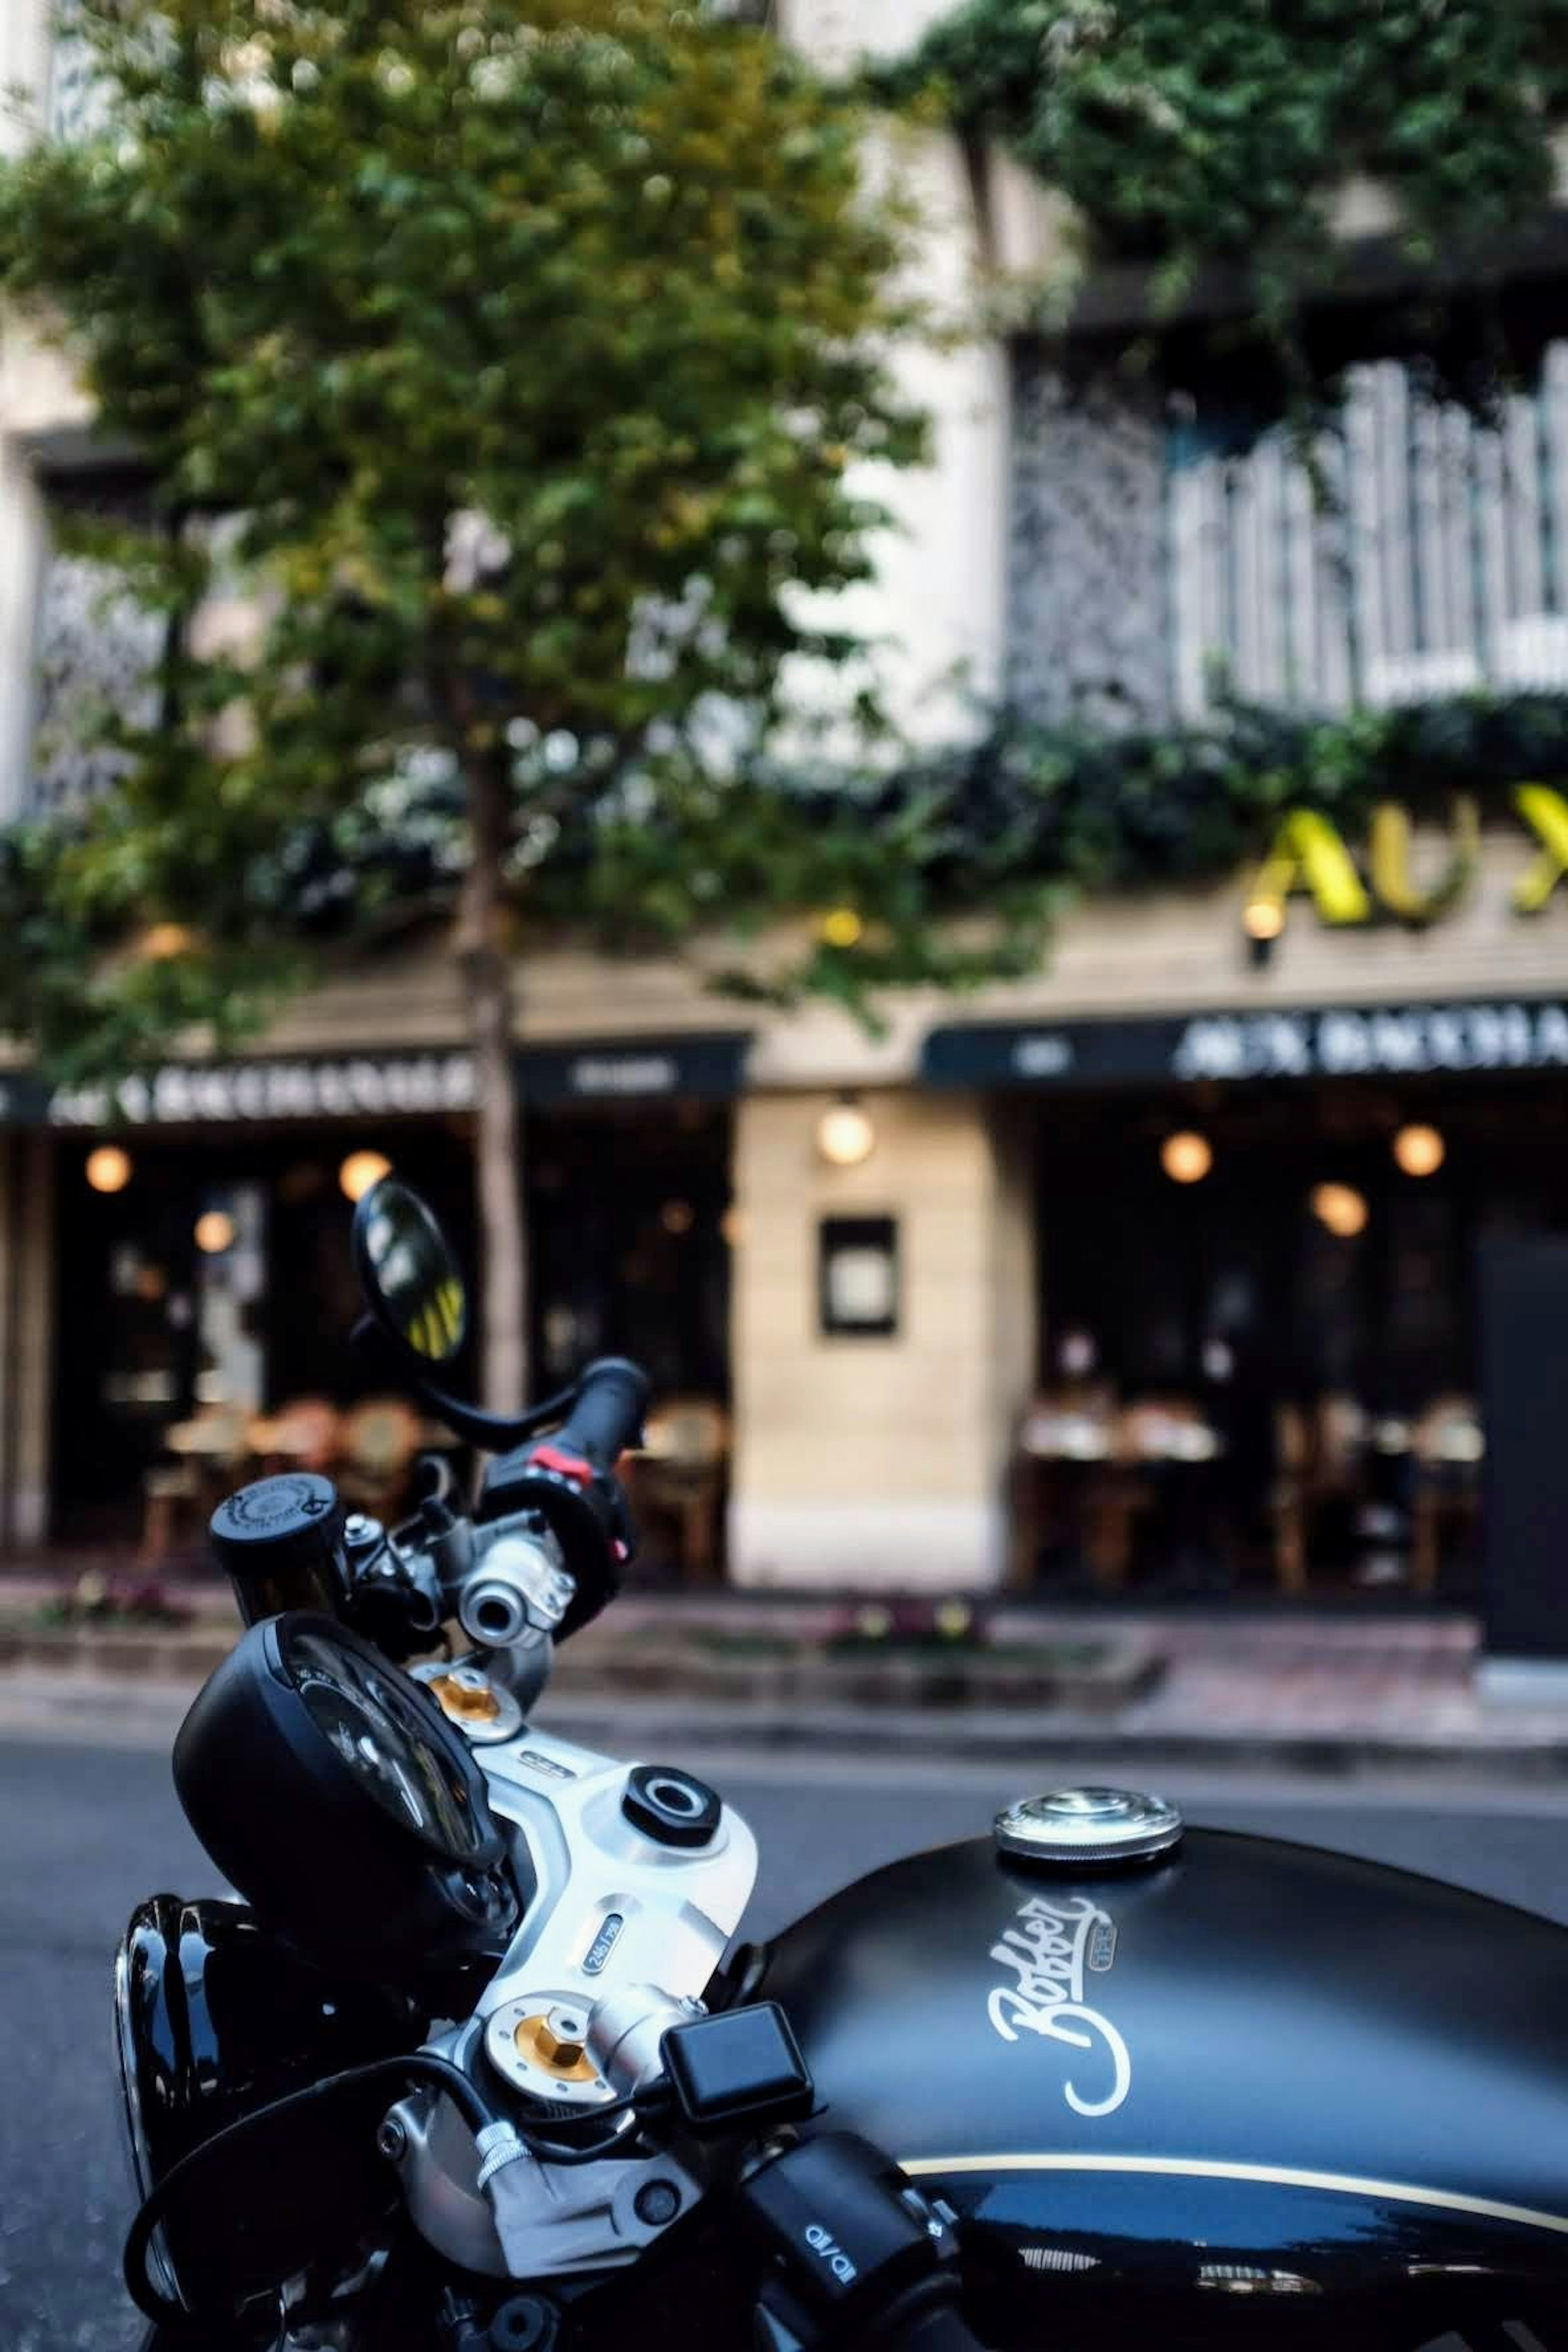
pixel 1448 1446
pixel 305 1434
pixel 680 1475
pixel 210 1451
pixel 1288 1496
pixel 380 1440
pixel 1063 1440
pixel 170 1490
pixel 1146 1435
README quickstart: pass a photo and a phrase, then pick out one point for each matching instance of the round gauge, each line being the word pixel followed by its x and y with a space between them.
pixel 377 1720
pixel 331 1790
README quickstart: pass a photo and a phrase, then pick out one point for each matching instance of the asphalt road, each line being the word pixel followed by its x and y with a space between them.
pixel 85 1831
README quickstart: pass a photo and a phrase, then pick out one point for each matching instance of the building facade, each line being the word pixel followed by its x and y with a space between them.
pixel 1157 1271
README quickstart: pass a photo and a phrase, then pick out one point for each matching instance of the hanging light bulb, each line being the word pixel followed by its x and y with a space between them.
pixel 360 1171
pixel 214 1232
pixel 1419 1151
pixel 1340 1208
pixel 107 1168
pixel 1187 1157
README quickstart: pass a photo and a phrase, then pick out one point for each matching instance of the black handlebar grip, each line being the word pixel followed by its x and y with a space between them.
pixel 612 1398
pixel 933 2326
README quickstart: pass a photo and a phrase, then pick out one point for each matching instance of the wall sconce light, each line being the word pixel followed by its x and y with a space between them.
pixel 1263 921
pixel 844 1134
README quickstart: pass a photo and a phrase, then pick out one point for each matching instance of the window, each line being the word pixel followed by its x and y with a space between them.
pixel 1435 559
pixel 98 652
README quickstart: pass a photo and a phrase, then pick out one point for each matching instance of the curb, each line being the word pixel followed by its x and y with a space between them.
pixel 1058 1744
pixel 144 1710
pixel 1098 1678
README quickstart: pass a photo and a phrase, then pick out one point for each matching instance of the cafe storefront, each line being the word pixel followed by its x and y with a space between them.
pixel 1260 1238
pixel 1165 1275
pixel 200 1299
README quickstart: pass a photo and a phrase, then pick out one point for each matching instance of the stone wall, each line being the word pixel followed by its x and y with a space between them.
pixel 878 1461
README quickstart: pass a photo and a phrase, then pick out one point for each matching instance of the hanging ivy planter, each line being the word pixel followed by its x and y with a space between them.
pixel 1188 135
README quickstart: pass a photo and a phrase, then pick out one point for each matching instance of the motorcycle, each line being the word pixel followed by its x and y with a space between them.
pixel 473 2064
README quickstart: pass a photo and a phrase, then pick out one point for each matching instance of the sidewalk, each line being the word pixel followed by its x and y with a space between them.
pixel 1332 1692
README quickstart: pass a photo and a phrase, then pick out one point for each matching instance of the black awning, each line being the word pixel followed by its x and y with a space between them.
pixel 709 1064
pixel 1337 1041
pixel 271 1090
pixel 393 1084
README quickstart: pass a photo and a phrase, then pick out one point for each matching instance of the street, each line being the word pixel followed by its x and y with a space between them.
pixel 89 1830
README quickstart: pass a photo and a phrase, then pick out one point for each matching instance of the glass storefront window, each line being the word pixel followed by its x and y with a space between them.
pixel 206 1298
pixel 1263 1376
pixel 207 1293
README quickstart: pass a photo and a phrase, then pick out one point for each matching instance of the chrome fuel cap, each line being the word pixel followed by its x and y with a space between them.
pixel 1072 1828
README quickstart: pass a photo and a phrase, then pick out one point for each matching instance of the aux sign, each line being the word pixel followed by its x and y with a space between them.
pixel 1308 854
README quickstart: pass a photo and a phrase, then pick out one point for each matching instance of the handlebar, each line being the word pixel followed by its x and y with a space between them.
pixel 937 2327
pixel 612 1398
pixel 568 1477
pixel 856 2255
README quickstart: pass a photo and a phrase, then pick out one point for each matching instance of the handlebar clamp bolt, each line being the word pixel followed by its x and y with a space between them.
pixel 560 2037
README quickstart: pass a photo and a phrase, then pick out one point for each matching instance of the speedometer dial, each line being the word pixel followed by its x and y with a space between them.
pixel 332 1792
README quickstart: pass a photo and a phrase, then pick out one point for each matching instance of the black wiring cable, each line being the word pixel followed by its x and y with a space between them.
pixel 164 2310
pixel 549 2150
pixel 420 2065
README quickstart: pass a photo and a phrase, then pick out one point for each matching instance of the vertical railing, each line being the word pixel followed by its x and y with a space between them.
pixel 1429 555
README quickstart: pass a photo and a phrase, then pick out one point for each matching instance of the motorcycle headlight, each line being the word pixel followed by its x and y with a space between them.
pixel 215 2017
pixel 329 1788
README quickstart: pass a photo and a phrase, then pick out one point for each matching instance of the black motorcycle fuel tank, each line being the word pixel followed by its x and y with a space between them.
pixel 1246 2088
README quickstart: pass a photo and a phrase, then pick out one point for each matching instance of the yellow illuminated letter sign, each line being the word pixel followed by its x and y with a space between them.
pixel 1389 859
pixel 1308 855
pixel 1546 812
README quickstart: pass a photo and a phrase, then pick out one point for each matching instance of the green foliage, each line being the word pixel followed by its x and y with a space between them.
pixel 955 866
pixel 512 363
pixel 1031 816
pixel 1190 134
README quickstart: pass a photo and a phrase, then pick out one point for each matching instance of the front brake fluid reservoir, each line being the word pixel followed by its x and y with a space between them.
pixel 280 1540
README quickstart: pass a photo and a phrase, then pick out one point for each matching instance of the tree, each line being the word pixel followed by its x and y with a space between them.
pixel 509 360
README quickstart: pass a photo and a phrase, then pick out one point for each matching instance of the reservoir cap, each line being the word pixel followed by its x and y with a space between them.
pixel 1074 1828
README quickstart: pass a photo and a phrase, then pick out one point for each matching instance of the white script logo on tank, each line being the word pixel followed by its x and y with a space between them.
pixel 1050 1947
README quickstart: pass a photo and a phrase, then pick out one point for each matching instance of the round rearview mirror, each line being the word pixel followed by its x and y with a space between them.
pixel 411 1282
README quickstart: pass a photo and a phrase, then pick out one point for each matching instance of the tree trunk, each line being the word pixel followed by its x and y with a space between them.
pixel 486 966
